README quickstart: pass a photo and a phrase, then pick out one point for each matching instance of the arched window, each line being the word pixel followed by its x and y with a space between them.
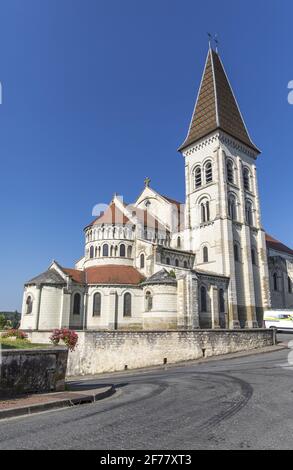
pixel 208 169
pixel 29 305
pixel 142 261
pixel 97 304
pixel 248 213
pixel 221 301
pixel 230 171
pixel 197 177
pixel 122 250
pixel 178 242
pixel 205 211
pixel 203 299
pixel 236 252
pixel 76 304
pixel 105 250
pixel 275 281
pixel 205 254
pixel 185 265
pixel 148 301
pixel 127 305
pixel 167 260
pixel 129 252
pixel 96 252
pixel 246 178
pixel 289 285
pixel 253 256
pixel 232 207
pixel 176 262
pixel 91 252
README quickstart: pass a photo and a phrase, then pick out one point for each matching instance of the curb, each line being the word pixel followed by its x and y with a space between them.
pixel 78 399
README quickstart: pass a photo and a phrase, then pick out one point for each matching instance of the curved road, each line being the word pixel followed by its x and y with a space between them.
pixel 240 403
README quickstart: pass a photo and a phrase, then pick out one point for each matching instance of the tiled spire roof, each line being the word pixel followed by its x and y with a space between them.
pixel 216 106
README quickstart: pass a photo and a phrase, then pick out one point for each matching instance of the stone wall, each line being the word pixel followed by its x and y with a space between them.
pixel 107 351
pixel 32 370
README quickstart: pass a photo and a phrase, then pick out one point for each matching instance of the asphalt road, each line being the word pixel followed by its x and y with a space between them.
pixel 240 403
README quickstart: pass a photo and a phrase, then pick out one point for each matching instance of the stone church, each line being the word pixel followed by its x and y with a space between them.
pixel 162 264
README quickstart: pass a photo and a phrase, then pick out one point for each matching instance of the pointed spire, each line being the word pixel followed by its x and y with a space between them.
pixel 216 106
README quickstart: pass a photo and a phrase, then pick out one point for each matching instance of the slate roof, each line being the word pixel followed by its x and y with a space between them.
pixel 216 106
pixel 51 276
pixel 161 277
pixel 277 245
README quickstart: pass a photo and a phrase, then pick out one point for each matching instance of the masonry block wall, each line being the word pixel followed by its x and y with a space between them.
pixel 99 352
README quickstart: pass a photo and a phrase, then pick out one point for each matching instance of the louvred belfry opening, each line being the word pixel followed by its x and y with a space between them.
pixel 216 107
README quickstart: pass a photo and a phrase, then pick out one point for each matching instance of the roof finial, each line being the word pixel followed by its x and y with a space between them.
pixel 210 39
pixel 213 39
pixel 216 42
pixel 147 182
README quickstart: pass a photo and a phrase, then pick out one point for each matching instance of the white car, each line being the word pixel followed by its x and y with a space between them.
pixel 279 319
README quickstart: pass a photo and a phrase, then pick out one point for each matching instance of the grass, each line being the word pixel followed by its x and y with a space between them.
pixel 8 343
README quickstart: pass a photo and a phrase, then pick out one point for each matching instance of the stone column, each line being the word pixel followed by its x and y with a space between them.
pixel 214 292
pixel 113 310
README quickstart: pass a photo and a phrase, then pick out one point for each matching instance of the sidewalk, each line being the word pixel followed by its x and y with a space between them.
pixel 36 403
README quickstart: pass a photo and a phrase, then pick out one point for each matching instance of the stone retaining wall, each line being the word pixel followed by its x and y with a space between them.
pixel 107 351
pixel 32 370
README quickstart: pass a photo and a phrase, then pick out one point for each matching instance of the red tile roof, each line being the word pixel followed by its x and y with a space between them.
pixel 113 274
pixel 113 215
pixel 108 274
pixel 75 274
pixel 277 245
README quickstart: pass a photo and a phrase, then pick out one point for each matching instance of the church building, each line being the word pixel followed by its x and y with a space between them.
pixel 163 264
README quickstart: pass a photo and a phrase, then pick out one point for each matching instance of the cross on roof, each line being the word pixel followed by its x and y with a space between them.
pixel 147 182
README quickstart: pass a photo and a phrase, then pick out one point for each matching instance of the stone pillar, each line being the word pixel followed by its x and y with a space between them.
pixel 113 310
pixel 214 293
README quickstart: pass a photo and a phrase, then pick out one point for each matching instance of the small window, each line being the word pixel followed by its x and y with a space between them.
pixel 122 250
pixel 208 172
pixel 248 213
pixel 97 305
pixel 129 252
pixel 203 299
pixel 29 305
pixel 178 242
pixel 105 250
pixel 127 305
pixel 230 171
pixel 176 262
pixel 148 301
pixel 167 260
pixel 76 304
pixel 185 265
pixel 246 179
pixel 236 252
pixel 205 211
pixel 253 256
pixel 221 301
pixel 289 285
pixel 205 254
pixel 275 281
pixel 197 177
pixel 91 252
pixel 142 261
pixel 232 208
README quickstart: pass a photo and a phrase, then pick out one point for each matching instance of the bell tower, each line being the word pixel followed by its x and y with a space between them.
pixel 222 212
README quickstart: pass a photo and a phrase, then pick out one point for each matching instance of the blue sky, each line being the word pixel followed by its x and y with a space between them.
pixel 97 94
